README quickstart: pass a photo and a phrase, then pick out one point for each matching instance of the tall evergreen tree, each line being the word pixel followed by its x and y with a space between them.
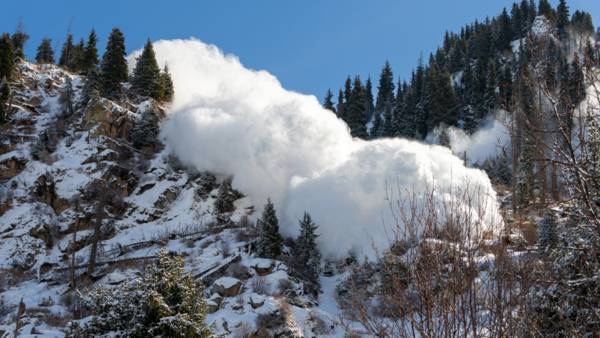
pixel 369 107
pixel 45 53
pixel 90 57
pixel 328 101
pixel 441 100
pixel 576 82
pixel 67 55
pixel 356 115
pixel 7 57
pixel 113 70
pixel 545 9
pixel 547 233
pixel 19 38
pixel 4 97
pixel 146 76
pixel 347 96
pixel 66 98
pixel 92 86
pixel 562 19
pixel 166 85
pixel 385 90
pixel 270 242
pixel 340 105
pixel 306 259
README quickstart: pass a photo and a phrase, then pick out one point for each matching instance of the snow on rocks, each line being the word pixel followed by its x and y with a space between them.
pixel 227 286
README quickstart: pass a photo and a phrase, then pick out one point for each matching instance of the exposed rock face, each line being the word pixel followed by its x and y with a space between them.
pixel 45 191
pixel 227 286
pixel 167 198
pixel 11 167
pixel 108 119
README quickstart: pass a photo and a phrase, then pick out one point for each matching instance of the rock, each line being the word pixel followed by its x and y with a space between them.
pixel 263 266
pixel 108 119
pixel 120 179
pixel 45 191
pixel 11 167
pixel 211 306
pixel 227 286
pixel 167 197
pixel 256 301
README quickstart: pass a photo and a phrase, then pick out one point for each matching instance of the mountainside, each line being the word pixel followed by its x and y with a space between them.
pixel 132 191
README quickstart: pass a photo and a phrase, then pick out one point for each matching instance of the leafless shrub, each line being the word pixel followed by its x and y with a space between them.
pixel 245 330
pixel 259 285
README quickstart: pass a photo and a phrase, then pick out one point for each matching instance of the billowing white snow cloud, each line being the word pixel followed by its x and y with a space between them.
pixel 487 142
pixel 280 144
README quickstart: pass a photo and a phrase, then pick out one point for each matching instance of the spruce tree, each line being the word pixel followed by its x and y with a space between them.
pixel 92 85
pixel 576 82
pixel 146 130
pixel 90 57
pixel 340 105
pixel 66 98
pixel 270 242
pixel 67 57
pixel 545 9
pixel 113 70
pixel 506 31
pixel 7 57
pixel 547 233
pixel 356 116
pixel 369 107
pixel 19 38
pixel 385 90
pixel 306 259
pixel 347 97
pixel 146 75
pixel 166 85
pixel 78 56
pixel 4 97
pixel 328 101
pixel 45 53
pixel 562 19
pixel 441 100
pixel 225 198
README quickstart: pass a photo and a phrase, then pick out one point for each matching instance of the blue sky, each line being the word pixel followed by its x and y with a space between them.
pixel 309 45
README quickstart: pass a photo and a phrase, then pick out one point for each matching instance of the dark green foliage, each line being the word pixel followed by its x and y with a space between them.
pixel 576 82
pixel 369 107
pixel 146 130
pixel 165 302
pixel 166 85
pixel 328 101
pixel 306 259
pixel 113 70
pixel 582 23
pixel 4 97
pixel 92 85
pixel 356 117
pixel 67 56
pixel 545 9
pixel 225 198
pixel 562 19
pixel 7 57
pixel 66 98
pixel 547 232
pixel 441 99
pixel 90 56
pixel 45 53
pixel 19 38
pixel 269 242
pixel 146 76
pixel 339 110
pixel 384 107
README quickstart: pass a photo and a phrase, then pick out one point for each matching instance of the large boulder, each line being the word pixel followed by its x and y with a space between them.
pixel 227 286
pixel 109 119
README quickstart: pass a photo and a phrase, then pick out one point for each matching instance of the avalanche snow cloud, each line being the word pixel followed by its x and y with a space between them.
pixel 280 144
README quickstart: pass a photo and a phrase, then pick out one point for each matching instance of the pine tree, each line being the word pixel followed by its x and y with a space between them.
pixel 78 56
pixel 270 242
pixel 19 38
pixel 356 116
pixel 67 57
pixel 562 19
pixel 113 70
pixel 146 130
pixel 92 85
pixel 306 259
pixel 547 233
pixel 7 57
pixel 90 57
pixel 328 101
pixel 339 111
pixel 166 85
pixel 441 100
pixel 4 97
pixel 347 98
pixel 385 90
pixel 225 198
pixel 369 107
pixel 545 9
pixel 45 53
pixel 576 82
pixel 146 76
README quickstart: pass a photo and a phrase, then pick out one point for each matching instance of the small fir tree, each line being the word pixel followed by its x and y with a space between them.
pixel 146 75
pixel 45 53
pixel 306 259
pixel 270 242
pixel 328 101
pixel 113 70
pixel 547 233
pixel 7 57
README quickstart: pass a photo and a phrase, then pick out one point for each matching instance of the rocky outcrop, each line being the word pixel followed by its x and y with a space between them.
pixel 227 286
pixel 45 192
pixel 11 167
pixel 107 119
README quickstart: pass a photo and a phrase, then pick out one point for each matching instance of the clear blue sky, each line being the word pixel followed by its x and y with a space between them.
pixel 309 45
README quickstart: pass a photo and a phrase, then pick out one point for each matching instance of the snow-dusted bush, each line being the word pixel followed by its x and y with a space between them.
pixel 164 301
